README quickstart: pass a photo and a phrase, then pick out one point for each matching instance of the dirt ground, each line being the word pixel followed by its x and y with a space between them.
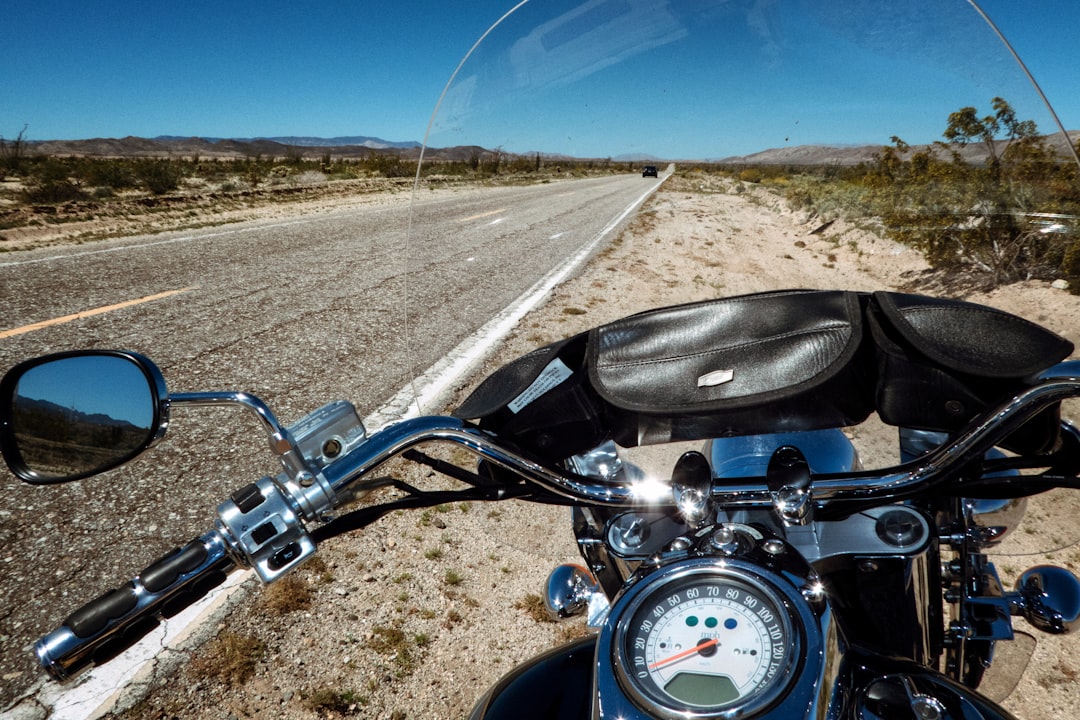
pixel 415 616
pixel 23 227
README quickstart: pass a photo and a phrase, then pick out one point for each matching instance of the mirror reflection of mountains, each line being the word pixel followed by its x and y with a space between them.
pixel 25 404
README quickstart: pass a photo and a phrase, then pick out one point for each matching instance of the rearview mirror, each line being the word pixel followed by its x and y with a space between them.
pixel 71 415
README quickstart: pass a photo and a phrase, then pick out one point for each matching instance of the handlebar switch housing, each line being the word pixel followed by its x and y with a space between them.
pixel 263 531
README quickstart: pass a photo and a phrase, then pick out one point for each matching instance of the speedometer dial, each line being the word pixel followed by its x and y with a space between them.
pixel 704 643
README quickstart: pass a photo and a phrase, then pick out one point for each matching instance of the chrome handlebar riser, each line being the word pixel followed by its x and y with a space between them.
pixel 309 492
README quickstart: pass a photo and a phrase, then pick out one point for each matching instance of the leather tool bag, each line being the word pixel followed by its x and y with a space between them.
pixel 766 363
pixel 542 401
pixel 792 360
pixel 761 363
pixel 942 362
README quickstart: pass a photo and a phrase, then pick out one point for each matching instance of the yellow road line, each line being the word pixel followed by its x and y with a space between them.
pixel 90 313
pixel 482 215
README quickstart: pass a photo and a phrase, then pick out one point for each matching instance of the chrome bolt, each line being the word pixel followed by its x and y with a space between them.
pixel 927 708
pixel 679 544
pixel 725 541
pixel 774 546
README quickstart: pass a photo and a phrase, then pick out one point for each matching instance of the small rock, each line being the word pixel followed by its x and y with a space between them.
pixel 341 591
pixel 1060 284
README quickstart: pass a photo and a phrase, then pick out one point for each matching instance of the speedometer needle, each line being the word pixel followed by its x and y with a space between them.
pixel 678 656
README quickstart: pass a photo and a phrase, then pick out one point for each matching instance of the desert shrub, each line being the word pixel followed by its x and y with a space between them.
pixel 50 183
pixel 308 177
pixel 229 658
pixel 750 175
pixel 387 165
pixel 1012 216
pixel 289 594
pixel 13 153
pixel 332 700
pixel 828 198
pixel 1070 263
pixel 159 176
pixel 106 173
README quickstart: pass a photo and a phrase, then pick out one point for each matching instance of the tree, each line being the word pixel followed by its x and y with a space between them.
pixel 13 153
pixel 982 212
pixel 965 126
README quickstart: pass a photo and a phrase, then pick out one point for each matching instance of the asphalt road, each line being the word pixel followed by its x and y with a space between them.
pixel 299 312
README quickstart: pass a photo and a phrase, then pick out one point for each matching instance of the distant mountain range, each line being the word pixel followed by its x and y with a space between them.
pixel 164 145
pixel 361 146
pixel 855 154
pixel 353 140
pixel 47 411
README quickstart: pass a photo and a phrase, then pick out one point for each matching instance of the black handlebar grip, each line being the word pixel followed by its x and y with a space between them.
pixel 115 621
pixel 92 617
pixel 165 571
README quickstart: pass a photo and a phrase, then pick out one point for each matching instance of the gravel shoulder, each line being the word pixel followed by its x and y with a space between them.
pixel 418 614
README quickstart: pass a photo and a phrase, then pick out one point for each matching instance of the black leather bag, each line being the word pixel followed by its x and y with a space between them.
pixel 542 401
pixel 769 362
pixel 942 362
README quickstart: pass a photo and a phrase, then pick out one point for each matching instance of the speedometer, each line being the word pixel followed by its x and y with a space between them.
pixel 705 642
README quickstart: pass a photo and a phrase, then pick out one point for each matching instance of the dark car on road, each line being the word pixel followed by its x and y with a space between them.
pixel 649 171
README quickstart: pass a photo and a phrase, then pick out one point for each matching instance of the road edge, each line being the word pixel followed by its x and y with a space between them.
pixel 126 679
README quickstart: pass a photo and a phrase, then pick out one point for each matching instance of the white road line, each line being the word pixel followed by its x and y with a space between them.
pixel 97 691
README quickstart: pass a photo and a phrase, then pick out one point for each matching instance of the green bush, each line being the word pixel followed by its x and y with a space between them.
pixel 49 184
pixel 159 176
pixel 1011 217
pixel 106 173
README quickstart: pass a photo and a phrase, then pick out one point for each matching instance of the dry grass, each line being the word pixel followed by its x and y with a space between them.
pixel 287 595
pixel 229 658
pixel 534 607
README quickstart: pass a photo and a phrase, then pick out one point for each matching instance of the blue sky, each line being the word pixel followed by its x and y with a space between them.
pixel 123 390
pixel 241 69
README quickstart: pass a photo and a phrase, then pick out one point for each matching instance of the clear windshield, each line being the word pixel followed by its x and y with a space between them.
pixel 591 160
pixel 796 144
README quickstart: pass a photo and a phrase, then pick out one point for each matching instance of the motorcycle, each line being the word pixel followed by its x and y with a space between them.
pixel 767 574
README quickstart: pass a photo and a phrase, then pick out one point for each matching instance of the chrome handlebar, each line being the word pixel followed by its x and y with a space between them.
pixel 885 485
pixel 264 525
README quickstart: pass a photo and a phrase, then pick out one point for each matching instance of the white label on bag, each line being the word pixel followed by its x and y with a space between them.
pixel 716 378
pixel 555 373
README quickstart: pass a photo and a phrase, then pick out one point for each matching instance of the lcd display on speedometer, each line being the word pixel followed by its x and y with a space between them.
pixel 705 643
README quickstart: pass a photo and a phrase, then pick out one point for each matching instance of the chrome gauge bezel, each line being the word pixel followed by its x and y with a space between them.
pixel 658 588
